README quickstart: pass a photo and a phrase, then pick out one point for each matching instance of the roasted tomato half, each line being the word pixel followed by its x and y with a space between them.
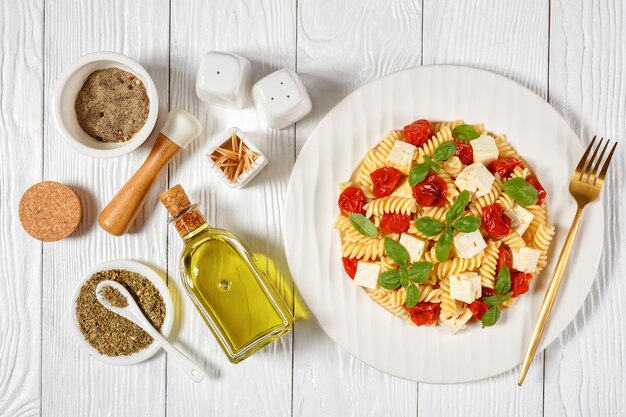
pixel 384 181
pixel 418 132
pixel 496 223
pixel 541 192
pixel 424 313
pixel 395 222
pixel 431 192
pixel 504 166
pixel 352 200
pixel 478 309
pixel 504 258
pixel 520 282
pixel 465 153
pixel 349 265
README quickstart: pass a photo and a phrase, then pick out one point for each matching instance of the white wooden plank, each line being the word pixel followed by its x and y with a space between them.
pixel 21 111
pixel 72 382
pixel 264 32
pixel 585 367
pixel 342 45
pixel 509 38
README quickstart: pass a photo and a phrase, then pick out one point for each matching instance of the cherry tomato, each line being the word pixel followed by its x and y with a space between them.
pixel 424 313
pixel 496 223
pixel 385 180
pixel 478 309
pixel 418 132
pixel 487 292
pixel 464 152
pixel 541 192
pixel 504 258
pixel 520 282
pixel 352 200
pixel 504 166
pixel 431 192
pixel 349 265
pixel 395 222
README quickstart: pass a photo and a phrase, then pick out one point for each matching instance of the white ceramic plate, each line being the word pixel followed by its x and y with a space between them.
pixel 160 285
pixel 335 148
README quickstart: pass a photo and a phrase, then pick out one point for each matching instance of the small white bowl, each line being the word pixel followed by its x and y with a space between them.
pixel 244 178
pixel 64 98
pixel 168 322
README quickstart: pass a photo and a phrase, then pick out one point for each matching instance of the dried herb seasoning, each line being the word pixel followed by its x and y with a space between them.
pixel 112 105
pixel 114 297
pixel 109 333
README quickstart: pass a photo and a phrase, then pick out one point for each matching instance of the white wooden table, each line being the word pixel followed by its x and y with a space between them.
pixel 572 53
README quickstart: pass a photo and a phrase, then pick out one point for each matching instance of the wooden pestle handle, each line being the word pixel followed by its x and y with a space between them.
pixel 122 210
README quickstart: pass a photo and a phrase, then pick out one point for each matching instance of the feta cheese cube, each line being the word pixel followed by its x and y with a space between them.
pixel 367 274
pixel 520 218
pixel 401 156
pixel 476 179
pixel 413 245
pixel 465 287
pixel 468 245
pixel 454 324
pixel 525 259
pixel 484 149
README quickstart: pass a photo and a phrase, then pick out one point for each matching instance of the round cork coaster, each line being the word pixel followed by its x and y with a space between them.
pixel 50 211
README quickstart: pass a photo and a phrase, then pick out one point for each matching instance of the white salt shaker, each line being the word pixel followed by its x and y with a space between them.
pixel 224 78
pixel 246 176
pixel 281 99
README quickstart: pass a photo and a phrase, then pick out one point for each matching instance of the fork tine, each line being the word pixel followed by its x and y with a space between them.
pixel 591 160
pixel 606 164
pixel 594 170
pixel 583 159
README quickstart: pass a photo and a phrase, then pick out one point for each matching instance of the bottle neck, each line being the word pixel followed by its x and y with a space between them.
pixel 189 221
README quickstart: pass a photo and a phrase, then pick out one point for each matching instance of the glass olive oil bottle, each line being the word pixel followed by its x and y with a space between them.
pixel 235 298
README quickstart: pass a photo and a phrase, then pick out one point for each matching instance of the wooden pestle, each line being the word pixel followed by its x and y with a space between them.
pixel 179 130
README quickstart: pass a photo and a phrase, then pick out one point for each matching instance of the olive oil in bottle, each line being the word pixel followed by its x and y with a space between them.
pixel 234 297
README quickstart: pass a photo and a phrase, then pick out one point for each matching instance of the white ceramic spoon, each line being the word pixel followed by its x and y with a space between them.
pixel 134 314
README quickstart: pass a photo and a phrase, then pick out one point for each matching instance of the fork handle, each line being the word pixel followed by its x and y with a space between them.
pixel 548 299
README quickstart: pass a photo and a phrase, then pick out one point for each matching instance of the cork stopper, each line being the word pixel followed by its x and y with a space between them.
pixel 175 200
pixel 184 214
pixel 50 211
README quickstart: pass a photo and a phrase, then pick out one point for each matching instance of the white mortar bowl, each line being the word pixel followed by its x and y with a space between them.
pixel 64 97
pixel 166 328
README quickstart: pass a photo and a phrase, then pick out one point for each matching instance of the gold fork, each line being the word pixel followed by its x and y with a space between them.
pixel 585 186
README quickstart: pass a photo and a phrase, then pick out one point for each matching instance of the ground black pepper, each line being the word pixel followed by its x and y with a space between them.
pixel 112 105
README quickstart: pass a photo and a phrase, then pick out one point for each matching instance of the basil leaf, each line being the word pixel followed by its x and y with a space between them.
pixel 503 284
pixel 506 296
pixel 491 301
pixel 467 224
pixel 420 271
pixel 442 248
pixel 428 226
pixel 521 191
pixel 465 132
pixel 444 151
pixel 404 277
pixel 389 280
pixel 396 251
pixel 412 296
pixel 433 165
pixel 363 225
pixel 418 173
pixel 455 211
pixel 491 316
